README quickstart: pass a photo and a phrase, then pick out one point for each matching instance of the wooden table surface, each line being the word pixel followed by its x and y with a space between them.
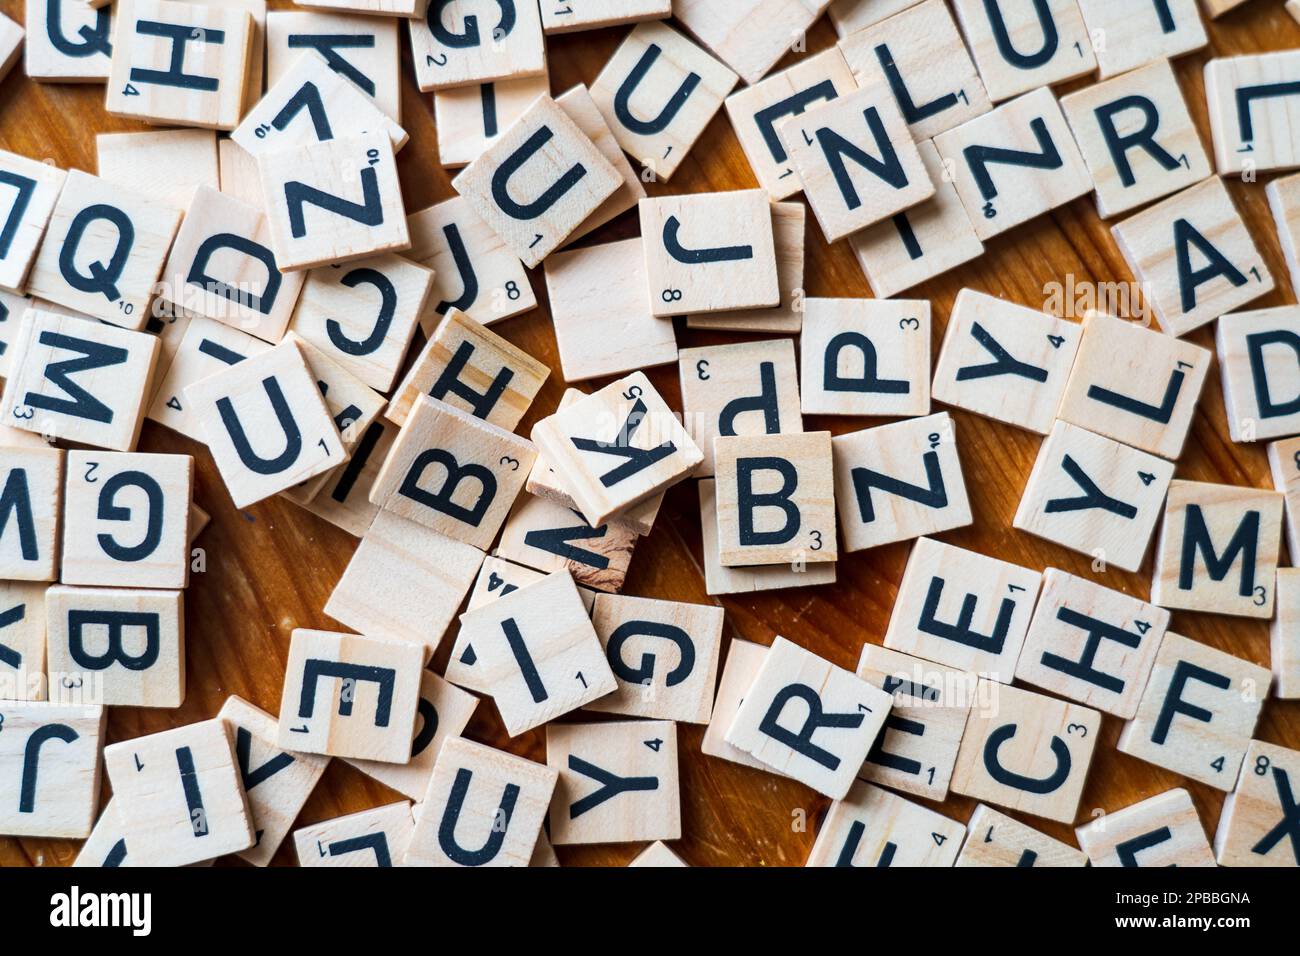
pixel 271 568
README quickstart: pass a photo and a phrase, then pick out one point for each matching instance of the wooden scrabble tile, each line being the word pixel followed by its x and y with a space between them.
pixel 848 711
pixel 921 56
pixel 364 49
pixel 483 807
pixel 538 653
pixel 1194 257
pixel 1134 385
pixel 568 178
pixel 1252 108
pixel 646 450
pixel 179 63
pixel 441 714
pixel 473 269
pixel 391 8
pixel 344 499
pixel 601 311
pixel 850 16
pixel 22 640
pixel 916 751
pixel 457 448
pixel 744 388
pixel 254 82
pixel 744 660
pixel 276 782
pixel 221 266
pixel 31 489
pixel 78 380
pixel 36 187
pixel 658 855
pixel 1137 137
pixel 141 632
pixel 1095 496
pixel 104 848
pixel 709 252
pixel 1284 202
pixel 963 609
pixel 1198 712
pixel 469 119
pixel 1163 830
pixel 127 519
pixel 447 56
pixel 1025 751
pixel 750 36
pixel 1284 634
pixel 737 580
pixel 1020 47
pixel 404 582
pixel 350 696
pixel 1091 644
pixel 49 768
pixel 856 159
pixel 865 357
pixel 581 107
pixel 559 16
pixel 163 164
pixel 125 236
pixel 206 348
pixel 617 782
pixel 995 839
pixel 550 536
pixel 363 315
pixel 1260 824
pixel 545 482
pixel 898 482
pixel 664 655
pixel 1138 33
pixel 1029 353
pixel 921 242
pixel 877 828
pixel 310 103
pixel 179 795
pixel 12 309
pixel 1284 463
pixel 1259 362
pixel 789 474
pixel 1218 549
pixel 67 42
pixel 239 175
pixel 657 94
pixel 755 111
pixel 274 397
pixel 788 220
pixel 1014 164
pixel 370 838
pixel 472 369
pixel 334 201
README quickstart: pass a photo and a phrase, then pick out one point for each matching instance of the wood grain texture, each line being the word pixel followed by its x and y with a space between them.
pixel 270 569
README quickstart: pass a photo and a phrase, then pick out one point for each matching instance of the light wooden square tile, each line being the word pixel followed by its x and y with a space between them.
pixel 36 188
pixel 865 357
pixel 709 252
pixel 1015 163
pixel 371 838
pixel 364 49
pixel 67 41
pixel 659 856
pixel 1258 824
pixel 22 640
pixel 744 660
pixel 1194 256
pixel 850 16
pixel 1164 830
pixel 1218 549
pixel 1138 33
pixel 995 839
pixel 350 696
pixel 744 388
pixel 581 107
pixel 657 93
pixel 750 36
pixel 559 16
pixel 344 499
pixel 1091 644
pixel 1198 712
pixel 456 56
pixel 49 768
pixel 164 164
pixel 1284 202
pixel 900 481
pixel 1284 464
pixel 1253 112
pixel 31 478
pixel 963 609
pixel 878 828
pixel 1134 385
pixel 469 119
pixel 1026 752
pixel 1020 47
pixel 1095 496
pixel 550 536
pixel 1259 354
pixel 839 717
pixel 1284 635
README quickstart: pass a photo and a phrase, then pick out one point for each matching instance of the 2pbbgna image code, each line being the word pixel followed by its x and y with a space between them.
pixel 1169 897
